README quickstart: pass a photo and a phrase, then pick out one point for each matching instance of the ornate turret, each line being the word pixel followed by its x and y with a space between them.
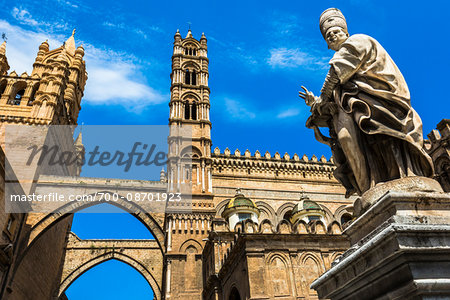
pixel 4 66
pixel 52 94
pixel 307 210
pixel 240 208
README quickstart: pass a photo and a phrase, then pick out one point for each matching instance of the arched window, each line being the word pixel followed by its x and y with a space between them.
pixel 30 101
pixel 187 77
pixel 194 111
pixel 18 97
pixel 186 51
pixel 194 78
pixel 234 295
pixel 186 110
pixel 194 52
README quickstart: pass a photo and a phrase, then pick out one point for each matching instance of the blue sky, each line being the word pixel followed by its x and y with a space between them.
pixel 260 53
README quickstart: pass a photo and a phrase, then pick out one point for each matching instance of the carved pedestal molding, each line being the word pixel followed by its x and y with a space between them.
pixel 400 250
pixel 410 184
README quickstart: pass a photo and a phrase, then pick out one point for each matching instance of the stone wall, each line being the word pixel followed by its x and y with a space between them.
pixel 260 264
pixel 277 183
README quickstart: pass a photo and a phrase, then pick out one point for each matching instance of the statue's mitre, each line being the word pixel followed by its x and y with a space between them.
pixel 330 18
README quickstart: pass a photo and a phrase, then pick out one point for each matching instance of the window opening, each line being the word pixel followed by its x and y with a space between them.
pixel 186 110
pixel 18 97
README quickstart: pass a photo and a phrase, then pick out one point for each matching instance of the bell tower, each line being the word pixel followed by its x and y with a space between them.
pixel 189 167
pixel 189 107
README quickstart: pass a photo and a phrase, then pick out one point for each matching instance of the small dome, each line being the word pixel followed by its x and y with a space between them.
pixel 306 204
pixel 240 208
pixel 44 46
pixel 239 200
pixel 307 210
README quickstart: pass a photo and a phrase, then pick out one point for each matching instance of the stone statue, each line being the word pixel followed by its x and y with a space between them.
pixel 375 134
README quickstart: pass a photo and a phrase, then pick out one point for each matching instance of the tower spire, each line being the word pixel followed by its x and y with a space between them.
pixel 3 48
pixel 69 45
pixel 189 34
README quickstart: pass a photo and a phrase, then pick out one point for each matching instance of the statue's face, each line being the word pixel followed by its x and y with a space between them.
pixel 335 36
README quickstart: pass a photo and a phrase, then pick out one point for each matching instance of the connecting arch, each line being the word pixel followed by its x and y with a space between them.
pixel 149 220
pixel 132 262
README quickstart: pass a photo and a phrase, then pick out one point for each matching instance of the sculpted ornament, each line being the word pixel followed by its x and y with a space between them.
pixel 375 134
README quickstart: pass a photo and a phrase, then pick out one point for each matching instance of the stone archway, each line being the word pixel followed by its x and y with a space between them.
pixel 43 222
pixel 150 214
pixel 45 226
pixel 143 255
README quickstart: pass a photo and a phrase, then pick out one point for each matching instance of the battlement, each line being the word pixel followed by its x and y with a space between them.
pixel 266 165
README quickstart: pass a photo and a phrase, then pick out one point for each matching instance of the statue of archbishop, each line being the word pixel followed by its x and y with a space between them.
pixel 375 134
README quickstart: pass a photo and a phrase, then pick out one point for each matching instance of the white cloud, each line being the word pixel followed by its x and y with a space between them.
pixel 234 51
pixel 294 57
pixel 112 76
pixel 67 3
pixel 24 17
pixel 291 112
pixel 137 31
pixel 237 111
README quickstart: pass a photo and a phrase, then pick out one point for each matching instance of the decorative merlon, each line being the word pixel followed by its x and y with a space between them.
pixel 267 155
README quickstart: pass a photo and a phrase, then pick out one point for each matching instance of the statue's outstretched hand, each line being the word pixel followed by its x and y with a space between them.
pixel 308 96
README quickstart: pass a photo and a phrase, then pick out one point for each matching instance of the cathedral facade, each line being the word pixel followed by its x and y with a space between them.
pixel 261 225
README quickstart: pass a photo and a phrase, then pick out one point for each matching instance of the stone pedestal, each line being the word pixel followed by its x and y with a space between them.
pixel 400 250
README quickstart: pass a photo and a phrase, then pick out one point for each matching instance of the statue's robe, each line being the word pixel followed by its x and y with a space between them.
pixel 373 93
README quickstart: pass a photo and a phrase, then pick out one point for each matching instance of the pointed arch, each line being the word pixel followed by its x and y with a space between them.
pixel 53 54
pixel 300 227
pixel 190 96
pixel 33 94
pixel 17 92
pixel 278 266
pixel 234 294
pixel 75 274
pixel 266 211
pixel 191 65
pixel 312 269
pixel 328 214
pixel 221 207
pixel 191 243
pixel 266 226
pixel 49 220
pixel 283 209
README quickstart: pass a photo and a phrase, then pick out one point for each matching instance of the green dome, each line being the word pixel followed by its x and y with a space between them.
pixel 306 205
pixel 240 204
pixel 240 200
